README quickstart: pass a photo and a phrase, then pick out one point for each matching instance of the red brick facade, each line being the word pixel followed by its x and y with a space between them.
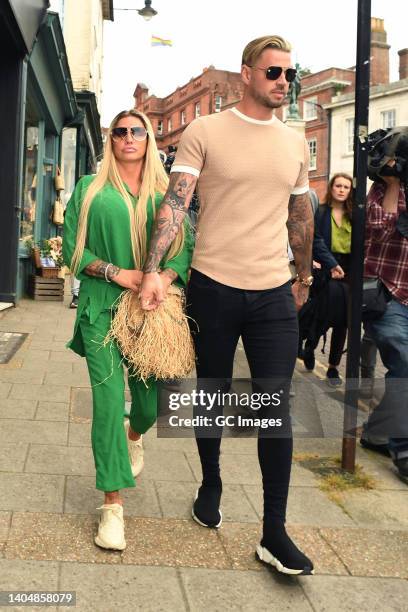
pixel 212 91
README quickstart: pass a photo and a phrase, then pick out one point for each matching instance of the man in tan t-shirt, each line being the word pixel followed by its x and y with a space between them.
pixel 251 172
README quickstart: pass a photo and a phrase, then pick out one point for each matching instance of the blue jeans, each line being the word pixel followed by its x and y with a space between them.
pixel 389 419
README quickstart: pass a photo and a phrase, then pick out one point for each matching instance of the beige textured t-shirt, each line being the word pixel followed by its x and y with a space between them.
pixel 247 171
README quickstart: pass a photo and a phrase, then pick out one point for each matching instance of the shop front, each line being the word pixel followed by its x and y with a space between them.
pixel 20 21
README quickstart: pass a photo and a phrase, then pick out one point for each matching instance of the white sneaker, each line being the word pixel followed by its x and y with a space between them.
pixel 136 452
pixel 111 530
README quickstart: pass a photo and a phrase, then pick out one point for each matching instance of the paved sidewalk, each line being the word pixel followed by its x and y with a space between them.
pixel 48 506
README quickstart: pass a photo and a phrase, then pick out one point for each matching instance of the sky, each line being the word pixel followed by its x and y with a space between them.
pixel 322 33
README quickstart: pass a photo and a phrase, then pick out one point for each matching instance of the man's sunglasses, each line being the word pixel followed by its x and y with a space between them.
pixel 136 132
pixel 273 72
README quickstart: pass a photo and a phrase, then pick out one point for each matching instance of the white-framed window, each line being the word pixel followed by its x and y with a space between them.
pixel 313 153
pixel 388 119
pixel 169 125
pixel 197 110
pixel 310 108
pixel 183 117
pixel 218 103
pixel 159 127
pixel 350 135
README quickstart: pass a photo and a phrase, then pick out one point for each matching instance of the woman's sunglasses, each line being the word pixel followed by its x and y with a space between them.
pixel 273 72
pixel 136 132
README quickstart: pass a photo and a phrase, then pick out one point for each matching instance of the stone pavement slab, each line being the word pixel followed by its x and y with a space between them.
pixel 21 376
pixel 372 508
pixel 104 588
pixel 17 431
pixel 58 393
pixel 367 552
pixel 241 539
pixel 52 459
pixel 19 575
pixel 56 537
pixel 172 542
pixel 81 497
pixel 31 492
pixel 334 593
pixel 176 499
pixel 79 434
pixel 172 465
pixel 17 409
pixel 218 591
pixel 12 457
pixel 5 389
pixel 52 411
pixel 306 506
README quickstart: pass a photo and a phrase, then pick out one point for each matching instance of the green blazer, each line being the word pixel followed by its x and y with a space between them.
pixel 108 238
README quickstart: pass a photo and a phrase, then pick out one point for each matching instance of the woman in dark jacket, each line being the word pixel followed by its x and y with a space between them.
pixel 331 249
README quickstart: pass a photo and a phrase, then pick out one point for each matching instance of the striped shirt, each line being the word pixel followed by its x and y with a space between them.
pixel 386 250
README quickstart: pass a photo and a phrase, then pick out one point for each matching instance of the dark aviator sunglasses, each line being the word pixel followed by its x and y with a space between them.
pixel 137 133
pixel 273 72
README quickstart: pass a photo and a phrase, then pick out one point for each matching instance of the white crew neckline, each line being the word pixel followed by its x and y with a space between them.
pixel 251 119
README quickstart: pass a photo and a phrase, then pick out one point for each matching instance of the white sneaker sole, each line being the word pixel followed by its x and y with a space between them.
pixel 262 554
pixel 197 520
pixel 108 546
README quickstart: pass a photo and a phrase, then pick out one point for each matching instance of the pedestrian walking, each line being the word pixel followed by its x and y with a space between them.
pixel 107 228
pixel 252 174
pixel 331 249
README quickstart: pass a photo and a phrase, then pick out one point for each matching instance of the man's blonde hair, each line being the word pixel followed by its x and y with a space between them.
pixel 254 48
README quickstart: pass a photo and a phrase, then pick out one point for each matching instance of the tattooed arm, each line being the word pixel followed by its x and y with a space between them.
pixel 300 231
pixel 167 224
pixel 129 279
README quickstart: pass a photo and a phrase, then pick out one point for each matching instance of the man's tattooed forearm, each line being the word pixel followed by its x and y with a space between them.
pixel 170 217
pixel 300 231
pixel 102 269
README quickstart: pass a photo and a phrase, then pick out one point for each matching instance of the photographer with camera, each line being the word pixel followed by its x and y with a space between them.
pixel 386 259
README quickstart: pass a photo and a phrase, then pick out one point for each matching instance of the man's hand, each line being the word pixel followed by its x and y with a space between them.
pixel 300 294
pixel 152 292
pixel 337 272
pixel 129 279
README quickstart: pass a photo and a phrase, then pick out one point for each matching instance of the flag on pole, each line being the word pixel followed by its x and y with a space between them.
pixel 160 42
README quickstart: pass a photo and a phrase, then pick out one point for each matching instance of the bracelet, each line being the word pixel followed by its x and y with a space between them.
pixel 106 270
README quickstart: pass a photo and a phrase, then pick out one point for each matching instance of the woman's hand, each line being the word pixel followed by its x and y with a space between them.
pixel 337 272
pixel 129 279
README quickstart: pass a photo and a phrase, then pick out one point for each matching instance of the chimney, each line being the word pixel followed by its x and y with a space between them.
pixel 380 68
pixel 403 64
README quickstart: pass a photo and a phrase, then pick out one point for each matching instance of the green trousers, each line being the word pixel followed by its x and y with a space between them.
pixel 106 372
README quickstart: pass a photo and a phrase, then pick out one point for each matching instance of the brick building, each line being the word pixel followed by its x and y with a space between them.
pixel 212 91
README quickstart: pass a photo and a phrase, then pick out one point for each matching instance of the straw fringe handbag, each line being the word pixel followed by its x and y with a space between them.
pixel 157 343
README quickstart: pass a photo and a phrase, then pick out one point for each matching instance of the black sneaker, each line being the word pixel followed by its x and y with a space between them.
pixel 308 358
pixel 382 449
pixel 74 302
pixel 333 377
pixel 206 508
pixel 283 554
pixel 402 467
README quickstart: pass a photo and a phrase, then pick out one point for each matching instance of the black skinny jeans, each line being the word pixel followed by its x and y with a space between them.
pixel 267 322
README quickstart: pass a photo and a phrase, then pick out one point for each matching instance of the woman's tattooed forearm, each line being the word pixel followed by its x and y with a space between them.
pixel 170 217
pixel 102 269
pixel 300 231
pixel 170 273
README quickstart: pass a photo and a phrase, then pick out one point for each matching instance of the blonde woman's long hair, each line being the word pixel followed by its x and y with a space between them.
pixel 154 179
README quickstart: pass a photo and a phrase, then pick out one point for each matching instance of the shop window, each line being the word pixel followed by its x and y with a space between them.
pixel 28 209
pixel 68 157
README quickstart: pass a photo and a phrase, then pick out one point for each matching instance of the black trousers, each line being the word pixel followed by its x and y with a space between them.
pixel 267 322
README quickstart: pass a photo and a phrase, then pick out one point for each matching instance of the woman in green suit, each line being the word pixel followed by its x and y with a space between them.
pixel 107 227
